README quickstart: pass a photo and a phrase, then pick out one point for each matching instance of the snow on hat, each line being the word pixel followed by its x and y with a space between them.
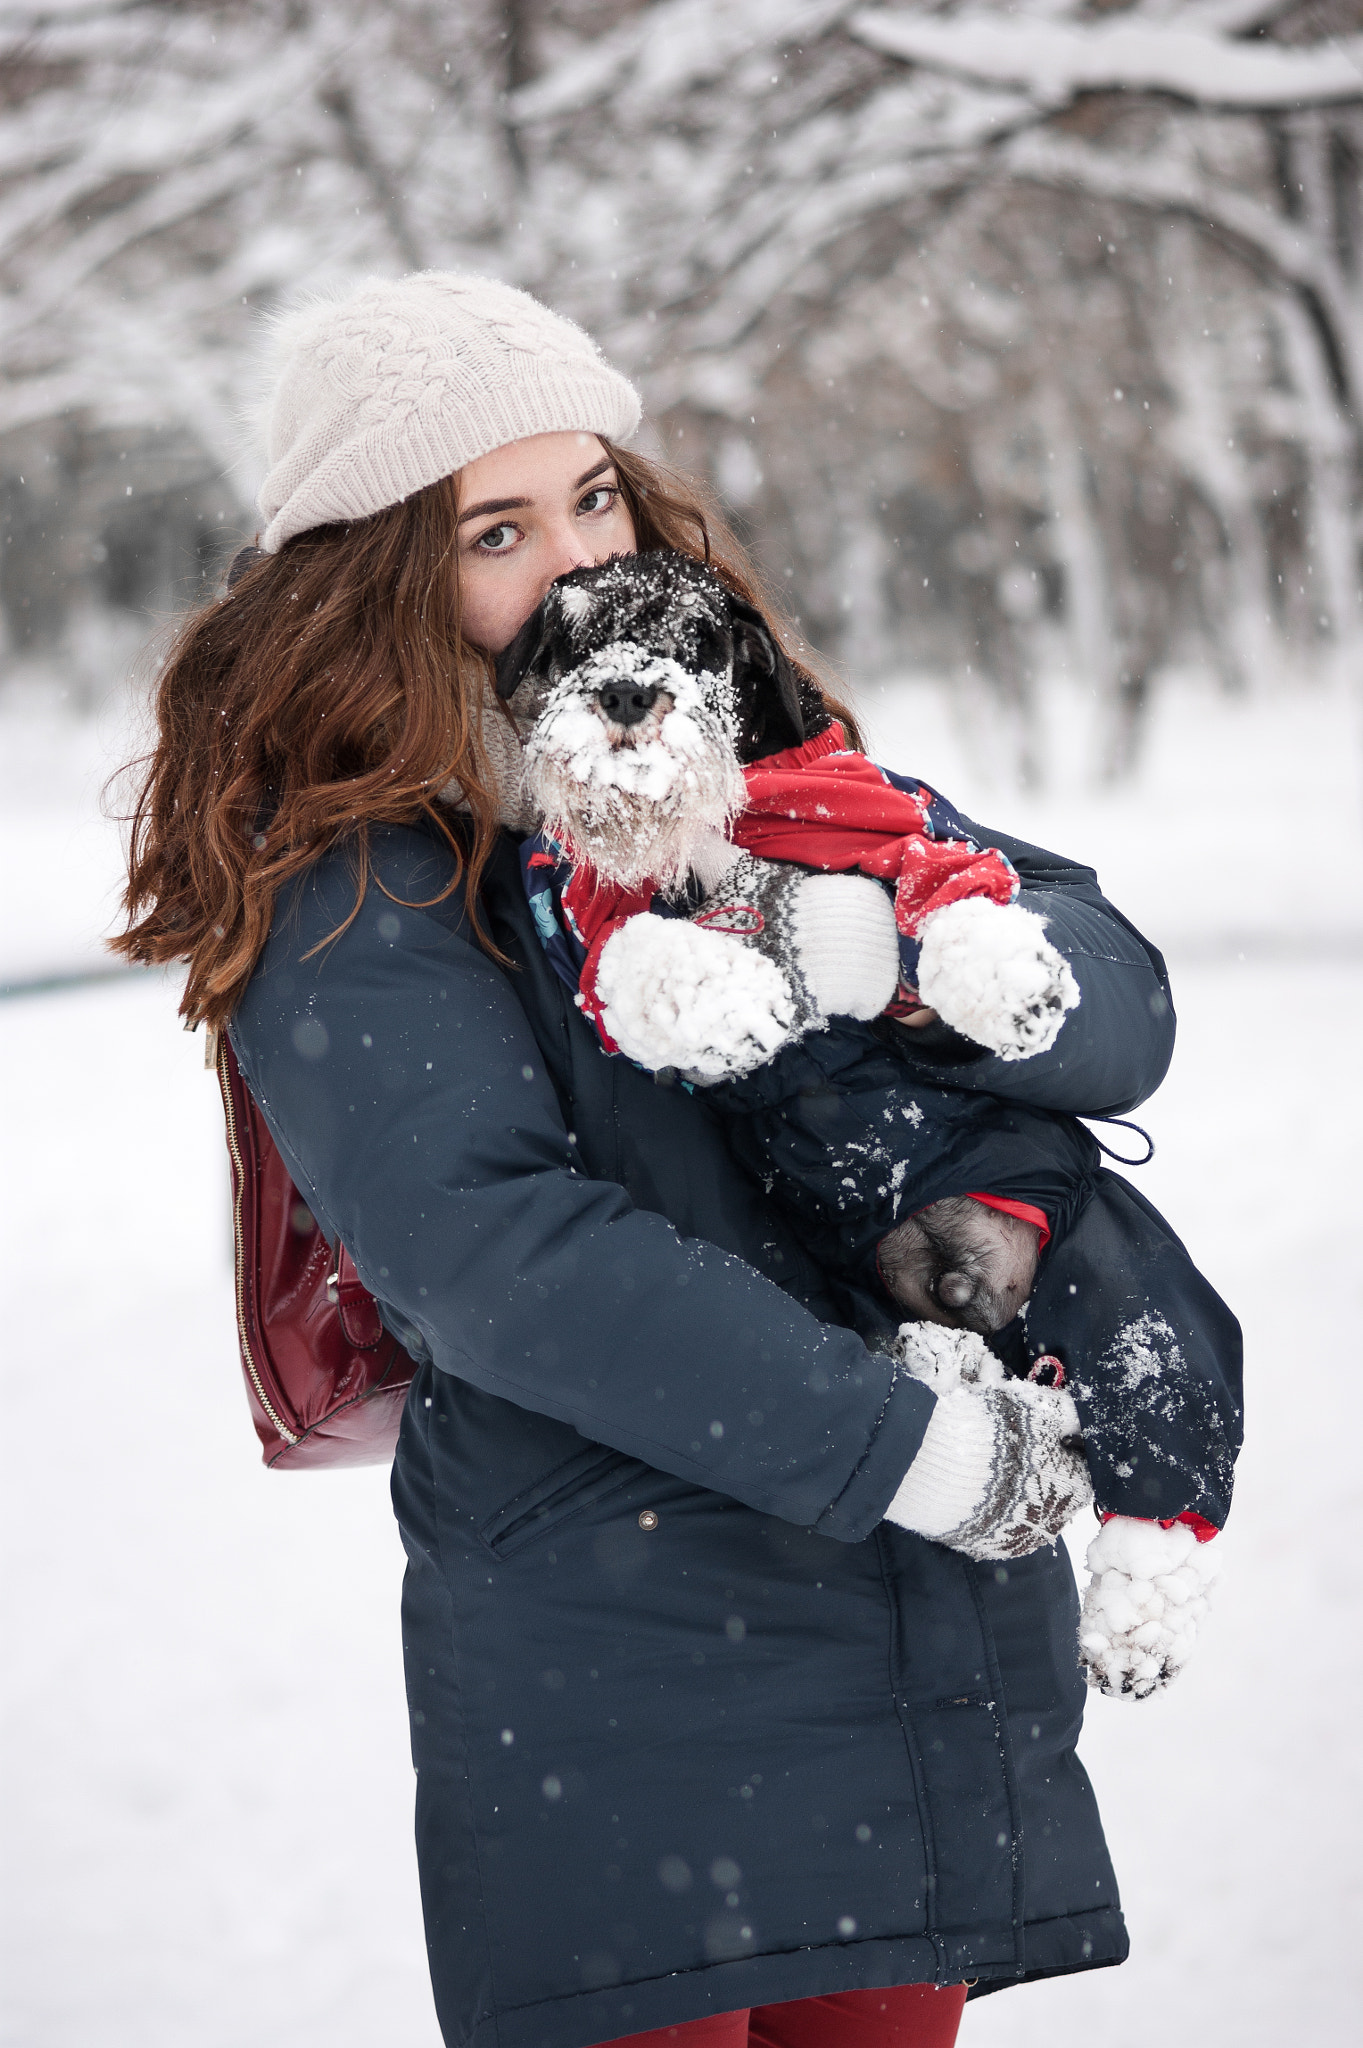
pixel 379 394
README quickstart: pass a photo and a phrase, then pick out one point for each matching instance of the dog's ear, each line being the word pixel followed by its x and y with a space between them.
pixel 515 662
pixel 760 663
pixel 242 560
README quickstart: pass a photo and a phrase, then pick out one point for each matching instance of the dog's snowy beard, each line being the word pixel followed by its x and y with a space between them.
pixel 637 803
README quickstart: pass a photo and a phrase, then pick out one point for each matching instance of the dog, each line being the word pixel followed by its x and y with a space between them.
pixel 644 687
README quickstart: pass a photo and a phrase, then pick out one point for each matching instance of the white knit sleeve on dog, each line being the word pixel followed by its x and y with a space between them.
pixel 846 944
pixel 991 973
pixel 676 995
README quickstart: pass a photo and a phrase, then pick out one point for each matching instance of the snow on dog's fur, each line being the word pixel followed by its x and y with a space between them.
pixel 635 802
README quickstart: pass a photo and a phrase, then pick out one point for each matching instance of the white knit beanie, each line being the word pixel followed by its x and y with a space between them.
pixel 379 394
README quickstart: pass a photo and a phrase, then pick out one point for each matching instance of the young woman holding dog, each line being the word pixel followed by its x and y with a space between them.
pixel 708 1751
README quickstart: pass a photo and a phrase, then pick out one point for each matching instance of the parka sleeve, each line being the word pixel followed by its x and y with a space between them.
pixel 1115 1049
pixel 405 1090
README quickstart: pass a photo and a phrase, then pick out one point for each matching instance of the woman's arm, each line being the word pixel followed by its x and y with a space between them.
pixel 1114 1050
pixel 404 1087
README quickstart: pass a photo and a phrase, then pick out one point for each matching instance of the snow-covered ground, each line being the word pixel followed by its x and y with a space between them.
pixel 207 1796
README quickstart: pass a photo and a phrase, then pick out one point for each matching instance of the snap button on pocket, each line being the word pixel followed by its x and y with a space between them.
pixel 647 1519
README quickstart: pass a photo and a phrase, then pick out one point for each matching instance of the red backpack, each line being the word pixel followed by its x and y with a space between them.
pixel 325 1381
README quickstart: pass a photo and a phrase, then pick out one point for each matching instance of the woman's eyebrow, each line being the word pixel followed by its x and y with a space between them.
pixel 493 505
pixel 519 504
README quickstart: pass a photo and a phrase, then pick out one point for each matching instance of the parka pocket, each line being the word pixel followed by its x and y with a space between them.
pixel 591 1475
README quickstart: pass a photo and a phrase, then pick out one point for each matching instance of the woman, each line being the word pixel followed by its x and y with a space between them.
pixel 698 1732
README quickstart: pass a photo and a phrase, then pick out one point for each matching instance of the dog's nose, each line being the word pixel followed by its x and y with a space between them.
pixel 627 703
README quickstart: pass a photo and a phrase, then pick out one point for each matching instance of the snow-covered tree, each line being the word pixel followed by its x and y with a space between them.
pixel 993 322
pixel 1052 310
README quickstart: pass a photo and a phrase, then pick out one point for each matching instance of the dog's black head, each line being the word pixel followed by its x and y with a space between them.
pixel 664 603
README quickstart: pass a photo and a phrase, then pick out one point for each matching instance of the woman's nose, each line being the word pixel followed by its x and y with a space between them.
pixel 567 551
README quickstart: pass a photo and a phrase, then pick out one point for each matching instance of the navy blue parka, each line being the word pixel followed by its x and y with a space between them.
pixel 694 1728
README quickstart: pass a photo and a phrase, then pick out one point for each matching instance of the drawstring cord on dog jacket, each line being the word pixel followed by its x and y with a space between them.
pixel 1123 1124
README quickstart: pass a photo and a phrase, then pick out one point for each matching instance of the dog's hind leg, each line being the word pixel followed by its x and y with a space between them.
pixel 961 1263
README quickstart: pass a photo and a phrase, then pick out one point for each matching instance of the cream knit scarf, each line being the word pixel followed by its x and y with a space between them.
pixel 502 752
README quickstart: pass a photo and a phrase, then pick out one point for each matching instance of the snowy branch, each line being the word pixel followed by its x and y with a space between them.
pixel 666 50
pixel 1278 247
pixel 339 102
pixel 1055 61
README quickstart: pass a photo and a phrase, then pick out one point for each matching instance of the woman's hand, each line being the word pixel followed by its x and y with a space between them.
pixel 1001 1469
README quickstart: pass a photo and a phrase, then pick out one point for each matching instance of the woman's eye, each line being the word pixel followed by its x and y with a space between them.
pixel 497 539
pixel 599 500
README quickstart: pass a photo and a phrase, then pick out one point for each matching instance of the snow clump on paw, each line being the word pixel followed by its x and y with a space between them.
pixel 945 1358
pixel 991 973
pixel 1143 1606
pixel 674 995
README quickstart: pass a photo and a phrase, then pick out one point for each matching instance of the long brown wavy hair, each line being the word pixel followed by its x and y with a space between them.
pixel 331 691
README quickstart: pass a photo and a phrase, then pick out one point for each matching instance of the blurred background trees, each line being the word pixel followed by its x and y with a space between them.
pixel 1017 339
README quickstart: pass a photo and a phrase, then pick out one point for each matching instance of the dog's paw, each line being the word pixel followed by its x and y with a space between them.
pixel 673 994
pixel 1143 1606
pixel 991 973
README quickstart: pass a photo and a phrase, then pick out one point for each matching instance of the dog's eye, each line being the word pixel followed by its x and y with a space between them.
pixel 712 649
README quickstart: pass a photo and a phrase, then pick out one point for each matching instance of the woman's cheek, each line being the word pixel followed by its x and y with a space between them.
pixel 496 602
pixel 625 542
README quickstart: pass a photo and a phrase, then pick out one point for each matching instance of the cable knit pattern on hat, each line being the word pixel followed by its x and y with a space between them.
pixel 380 394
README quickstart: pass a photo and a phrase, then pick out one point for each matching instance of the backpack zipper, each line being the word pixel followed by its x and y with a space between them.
pixel 239 1253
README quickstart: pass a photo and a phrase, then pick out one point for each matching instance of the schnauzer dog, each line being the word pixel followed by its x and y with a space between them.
pixel 645 688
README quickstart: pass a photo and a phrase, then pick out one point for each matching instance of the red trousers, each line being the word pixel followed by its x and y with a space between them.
pixel 906 2016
